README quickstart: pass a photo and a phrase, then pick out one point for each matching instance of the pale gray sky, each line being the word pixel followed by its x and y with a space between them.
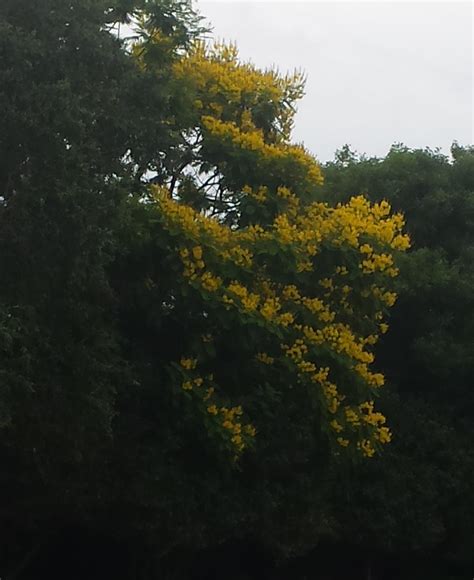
pixel 377 72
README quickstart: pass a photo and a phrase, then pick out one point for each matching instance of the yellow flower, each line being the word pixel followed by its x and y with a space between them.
pixel 250 430
pixel 188 363
pixel 265 358
pixel 209 282
pixel 270 308
pixel 291 292
pixel 237 439
pixel 351 416
pixel 365 446
pixel 285 319
pixel 383 435
pixel 208 395
pixel 197 252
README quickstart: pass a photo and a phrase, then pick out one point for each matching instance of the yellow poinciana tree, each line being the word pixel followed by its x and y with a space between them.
pixel 283 295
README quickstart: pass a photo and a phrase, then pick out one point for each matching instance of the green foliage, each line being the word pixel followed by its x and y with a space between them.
pixel 426 355
pixel 81 127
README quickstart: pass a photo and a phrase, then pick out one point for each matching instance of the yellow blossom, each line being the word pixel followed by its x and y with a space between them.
pixel 265 358
pixel 197 252
pixel 188 363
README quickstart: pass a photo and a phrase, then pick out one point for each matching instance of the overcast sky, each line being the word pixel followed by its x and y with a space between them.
pixel 377 72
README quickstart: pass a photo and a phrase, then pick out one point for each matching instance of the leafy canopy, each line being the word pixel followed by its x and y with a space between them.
pixel 303 286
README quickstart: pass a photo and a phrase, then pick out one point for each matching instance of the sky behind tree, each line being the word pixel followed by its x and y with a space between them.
pixel 377 72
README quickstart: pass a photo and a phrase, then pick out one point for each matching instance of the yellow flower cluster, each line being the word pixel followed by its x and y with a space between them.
pixel 331 394
pixel 239 255
pixel 292 201
pixel 296 351
pixel 355 417
pixel 186 220
pixel 346 224
pixel 286 232
pixel 229 131
pixel 362 416
pixel 189 385
pixel 188 363
pixel 383 435
pixel 374 380
pixel 231 88
pixel 210 282
pixel 234 268
pixel 366 447
pixel 319 308
pixel 388 298
pixel 285 319
pixel 230 419
pixel 314 310
pixel 369 416
pixel 248 299
pixel 264 358
pixel 291 293
pixel 260 195
pixel 191 266
pixel 254 140
pixel 231 423
pixel 270 308
pixel 378 262
pixel 383 327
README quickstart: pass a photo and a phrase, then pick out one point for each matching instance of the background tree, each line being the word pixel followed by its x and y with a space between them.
pixel 81 124
pixel 426 357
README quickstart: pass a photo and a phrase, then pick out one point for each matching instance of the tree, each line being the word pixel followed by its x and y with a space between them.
pixel 246 301
pixel 426 357
pixel 270 256
pixel 80 125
